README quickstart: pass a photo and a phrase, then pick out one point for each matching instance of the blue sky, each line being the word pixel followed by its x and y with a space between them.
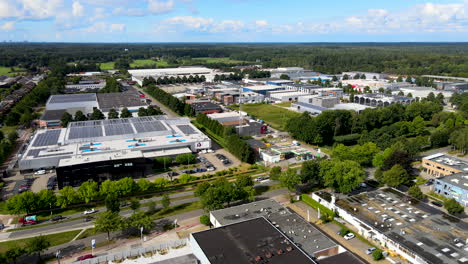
pixel 233 20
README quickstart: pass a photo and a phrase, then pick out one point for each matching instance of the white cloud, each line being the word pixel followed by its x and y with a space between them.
pixel 77 9
pixel 7 26
pixel 160 7
pixel 261 23
pixel 117 27
pixel 41 9
pixel 129 11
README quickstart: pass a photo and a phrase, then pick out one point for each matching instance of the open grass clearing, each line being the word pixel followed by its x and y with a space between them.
pixel 55 239
pixel 272 115
pixel 217 60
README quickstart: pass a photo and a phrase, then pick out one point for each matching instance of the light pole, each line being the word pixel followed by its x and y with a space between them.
pixel 57 255
pixel 50 205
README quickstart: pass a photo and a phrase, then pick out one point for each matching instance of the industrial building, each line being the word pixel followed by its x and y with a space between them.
pixel 442 165
pixel 309 108
pixel 378 100
pixel 139 75
pixel 110 149
pixel 301 87
pixel 459 87
pixel 85 86
pixel 412 229
pixel 453 186
pixel 369 75
pixel 243 126
pixel 261 89
pixel 422 92
pixel 285 96
pixel 307 237
pixel 294 73
pixel 278 153
pixel 206 107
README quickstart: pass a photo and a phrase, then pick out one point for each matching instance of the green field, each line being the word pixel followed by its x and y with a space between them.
pixel 7 70
pixel 135 64
pixel 106 66
pixel 272 115
pixel 55 239
pixel 216 60
pixel 285 104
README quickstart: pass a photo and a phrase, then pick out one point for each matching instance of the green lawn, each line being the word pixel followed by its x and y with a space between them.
pixel 55 239
pixel 106 66
pixel 273 115
pixel 285 104
pixel 7 70
pixel 216 60
pixel 140 63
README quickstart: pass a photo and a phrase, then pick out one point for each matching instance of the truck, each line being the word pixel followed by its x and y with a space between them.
pixel 28 220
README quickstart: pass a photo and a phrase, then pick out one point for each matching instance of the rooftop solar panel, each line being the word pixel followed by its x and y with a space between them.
pixel 187 130
pixel 151 126
pixel 48 138
pixel 85 132
pixel 70 98
pixel 118 129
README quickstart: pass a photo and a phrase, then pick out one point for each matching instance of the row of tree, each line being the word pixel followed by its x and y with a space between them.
pixel 235 144
pixel 170 101
pixel 173 80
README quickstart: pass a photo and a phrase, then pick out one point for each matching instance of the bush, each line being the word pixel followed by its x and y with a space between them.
pixel 453 207
pixel 205 220
pixel 187 158
pixel 344 231
pixel 377 254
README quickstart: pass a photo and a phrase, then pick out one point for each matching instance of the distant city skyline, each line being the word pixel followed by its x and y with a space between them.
pixel 233 21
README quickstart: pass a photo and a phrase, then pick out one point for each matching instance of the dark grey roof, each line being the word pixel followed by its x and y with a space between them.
pixel 48 138
pixel 242 243
pixel 53 115
pixel 458 179
pixel 119 100
pixel 204 106
pixel 345 257
pixel 255 143
pixel 311 106
pixel 71 98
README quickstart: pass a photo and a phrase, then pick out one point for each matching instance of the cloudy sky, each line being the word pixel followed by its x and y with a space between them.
pixel 233 20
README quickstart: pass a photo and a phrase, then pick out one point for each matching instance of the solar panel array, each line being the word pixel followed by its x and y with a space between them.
pixel 85 132
pixel 48 138
pixel 187 130
pixel 148 125
pixel 71 98
pixel 122 129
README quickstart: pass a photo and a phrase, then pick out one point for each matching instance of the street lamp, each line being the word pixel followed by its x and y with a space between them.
pixel 57 255
pixel 50 205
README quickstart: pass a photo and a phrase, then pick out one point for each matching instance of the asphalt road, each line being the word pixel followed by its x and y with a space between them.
pixel 163 108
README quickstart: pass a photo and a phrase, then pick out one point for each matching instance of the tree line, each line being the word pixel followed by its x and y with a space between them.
pixel 170 101
pixel 235 144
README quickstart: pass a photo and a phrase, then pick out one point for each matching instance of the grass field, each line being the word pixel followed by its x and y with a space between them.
pixel 216 60
pixel 285 104
pixel 135 64
pixel 272 115
pixel 55 239
pixel 7 70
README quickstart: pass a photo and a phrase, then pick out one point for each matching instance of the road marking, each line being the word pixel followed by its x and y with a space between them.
pixel 84 229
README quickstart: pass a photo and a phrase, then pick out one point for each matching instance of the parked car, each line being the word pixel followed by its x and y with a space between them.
pixel 124 204
pixel 258 179
pixel 226 162
pixel 370 250
pixel 436 204
pixel 211 168
pixel 57 218
pixel 349 236
pixel 172 173
pixel 85 257
pixel 40 172
pixel 88 218
pixel 90 211
pixel 2 226
pixel 429 182
pixel 28 220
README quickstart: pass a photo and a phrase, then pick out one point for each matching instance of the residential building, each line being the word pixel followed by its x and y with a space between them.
pixel 453 186
pixel 440 164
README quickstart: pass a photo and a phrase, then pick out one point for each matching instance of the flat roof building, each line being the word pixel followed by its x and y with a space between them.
pixel 379 100
pixel 51 118
pixel 118 101
pixel 73 102
pixel 139 75
pixel 453 186
pixel 402 225
pixel 261 89
pixel 76 151
pixel 286 96
pixel 442 165
pixel 206 108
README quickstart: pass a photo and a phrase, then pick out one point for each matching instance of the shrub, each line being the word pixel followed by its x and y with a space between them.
pixel 377 254
pixel 205 220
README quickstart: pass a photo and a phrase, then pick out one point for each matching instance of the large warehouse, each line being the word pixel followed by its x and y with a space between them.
pixel 139 75
pixel 110 149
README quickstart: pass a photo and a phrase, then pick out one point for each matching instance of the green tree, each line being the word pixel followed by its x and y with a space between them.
pixel 66 118
pixel 290 179
pixel 134 204
pixel 275 173
pixel 459 139
pixel 67 196
pixel 453 207
pixel 187 158
pixel 25 202
pixel 108 222
pixel 46 199
pixel 205 220
pixel 125 113
pixel 151 207
pixel 377 254
pixel 113 114
pixel 142 111
pixel 160 183
pixel 112 202
pixel 284 77
pixel 165 201
pixel 126 186
pixel 97 114
pixel 396 176
pixel 107 187
pixel 79 116
pixel 144 184
pixel 244 181
pixel 399 79
pixel 415 192
pixel 88 191
pixel 139 219
pixel 13 136
pixel 38 244
pixel 343 176
pixel 431 97
pixel 13 253
pixel 363 154
pixel 310 173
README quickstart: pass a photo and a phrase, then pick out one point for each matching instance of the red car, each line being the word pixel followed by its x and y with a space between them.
pixel 85 257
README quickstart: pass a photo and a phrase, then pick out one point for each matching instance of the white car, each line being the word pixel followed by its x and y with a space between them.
pixel 40 172
pixel 90 211
pixel 349 236
pixel 258 179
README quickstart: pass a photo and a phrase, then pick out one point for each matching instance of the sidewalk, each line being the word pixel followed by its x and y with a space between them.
pixel 354 245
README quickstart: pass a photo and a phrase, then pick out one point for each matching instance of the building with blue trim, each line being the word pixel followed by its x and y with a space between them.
pixel 453 186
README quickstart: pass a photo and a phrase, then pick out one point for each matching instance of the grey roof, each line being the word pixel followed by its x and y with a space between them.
pixel 119 100
pixel 419 228
pixel 255 143
pixel 449 161
pixel 306 235
pixel 203 106
pixel 71 98
pixel 311 106
pixel 345 257
pixel 48 138
pixel 53 115
pixel 243 242
pixel 458 179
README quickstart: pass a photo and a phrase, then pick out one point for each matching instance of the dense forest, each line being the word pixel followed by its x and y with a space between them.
pixel 399 58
